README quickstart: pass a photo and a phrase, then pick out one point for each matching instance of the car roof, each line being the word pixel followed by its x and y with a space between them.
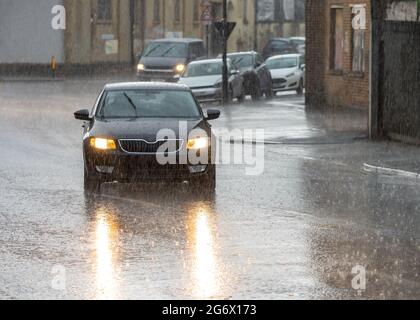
pixel 280 39
pixel 181 40
pixel 207 61
pixel 145 85
pixel 298 38
pixel 241 53
pixel 291 55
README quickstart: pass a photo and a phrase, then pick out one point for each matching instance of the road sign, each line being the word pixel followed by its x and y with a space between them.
pixel 225 28
pixel 206 16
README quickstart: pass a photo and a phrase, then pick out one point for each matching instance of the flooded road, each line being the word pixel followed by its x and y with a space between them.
pixel 308 227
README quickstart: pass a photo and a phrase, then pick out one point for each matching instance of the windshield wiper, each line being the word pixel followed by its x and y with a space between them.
pixel 167 51
pixel 152 50
pixel 131 102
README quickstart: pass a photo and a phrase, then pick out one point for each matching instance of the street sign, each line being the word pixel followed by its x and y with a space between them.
pixel 225 29
pixel 206 17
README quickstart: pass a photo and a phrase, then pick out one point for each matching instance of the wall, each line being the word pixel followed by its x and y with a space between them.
pixel 26 34
pixel 345 88
pixel 399 59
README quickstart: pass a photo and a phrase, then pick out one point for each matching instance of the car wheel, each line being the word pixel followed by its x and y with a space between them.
pixel 269 94
pixel 256 94
pixel 92 181
pixel 299 90
pixel 241 98
pixel 205 183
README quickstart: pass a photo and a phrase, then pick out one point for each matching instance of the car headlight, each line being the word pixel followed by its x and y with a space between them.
pixel 198 143
pixel 290 75
pixel 103 144
pixel 140 67
pixel 180 68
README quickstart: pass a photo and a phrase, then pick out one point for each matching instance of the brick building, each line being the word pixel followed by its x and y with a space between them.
pixel 337 55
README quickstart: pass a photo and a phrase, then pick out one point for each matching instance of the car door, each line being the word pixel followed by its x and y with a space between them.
pixel 302 68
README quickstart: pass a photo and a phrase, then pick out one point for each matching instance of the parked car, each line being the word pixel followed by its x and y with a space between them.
pixel 300 43
pixel 257 77
pixel 287 72
pixel 121 141
pixel 205 80
pixel 164 58
pixel 277 46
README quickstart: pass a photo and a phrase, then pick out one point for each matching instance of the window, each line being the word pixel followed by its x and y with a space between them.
pixel 337 39
pixel 177 11
pixel 245 13
pixel 147 103
pixel 156 11
pixel 138 7
pixel 358 49
pixel 196 11
pixel 104 10
pixel 166 49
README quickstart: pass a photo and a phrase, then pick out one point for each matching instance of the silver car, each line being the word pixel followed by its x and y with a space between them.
pixel 205 80
pixel 287 72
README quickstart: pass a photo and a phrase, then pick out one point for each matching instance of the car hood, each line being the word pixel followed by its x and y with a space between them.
pixel 146 129
pixel 204 81
pixel 282 73
pixel 161 62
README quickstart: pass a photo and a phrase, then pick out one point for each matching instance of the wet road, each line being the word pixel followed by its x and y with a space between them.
pixel 294 232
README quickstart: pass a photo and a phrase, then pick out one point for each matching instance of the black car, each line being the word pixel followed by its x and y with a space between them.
pixel 257 77
pixel 134 129
pixel 278 46
pixel 163 59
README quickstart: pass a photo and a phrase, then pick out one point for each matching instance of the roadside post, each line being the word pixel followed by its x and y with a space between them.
pixel 53 66
pixel 206 20
pixel 225 29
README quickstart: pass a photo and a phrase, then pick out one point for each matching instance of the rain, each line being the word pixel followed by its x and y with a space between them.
pixel 311 189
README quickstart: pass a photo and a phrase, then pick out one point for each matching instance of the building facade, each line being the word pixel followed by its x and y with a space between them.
pixel 338 52
pixel 107 34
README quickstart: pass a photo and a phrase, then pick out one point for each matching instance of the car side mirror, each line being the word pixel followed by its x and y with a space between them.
pixel 83 115
pixel 213 114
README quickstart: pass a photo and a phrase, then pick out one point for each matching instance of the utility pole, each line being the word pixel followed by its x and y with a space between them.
pixel 132 21
pixel 225 68
pixel 256 25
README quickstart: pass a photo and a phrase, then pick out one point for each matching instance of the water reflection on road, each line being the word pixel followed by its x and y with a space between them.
pixel 188 227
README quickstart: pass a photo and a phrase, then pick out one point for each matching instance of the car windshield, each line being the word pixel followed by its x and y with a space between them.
pixel 242 60
pixel 166 49
pixel 298 41
pixel 148 104
pixel 203 69
pixel 281 63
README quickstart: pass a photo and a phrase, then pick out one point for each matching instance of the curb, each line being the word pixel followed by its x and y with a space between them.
pixel 389 171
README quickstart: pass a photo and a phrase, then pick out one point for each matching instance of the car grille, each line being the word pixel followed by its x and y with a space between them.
pixel 279 81
pixel 138 146
pixel 159 68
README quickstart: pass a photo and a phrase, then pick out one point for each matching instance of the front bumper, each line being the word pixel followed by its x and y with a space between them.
pixel 209 94
pixel 156 75
pixel 284 84
pixel 120 166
